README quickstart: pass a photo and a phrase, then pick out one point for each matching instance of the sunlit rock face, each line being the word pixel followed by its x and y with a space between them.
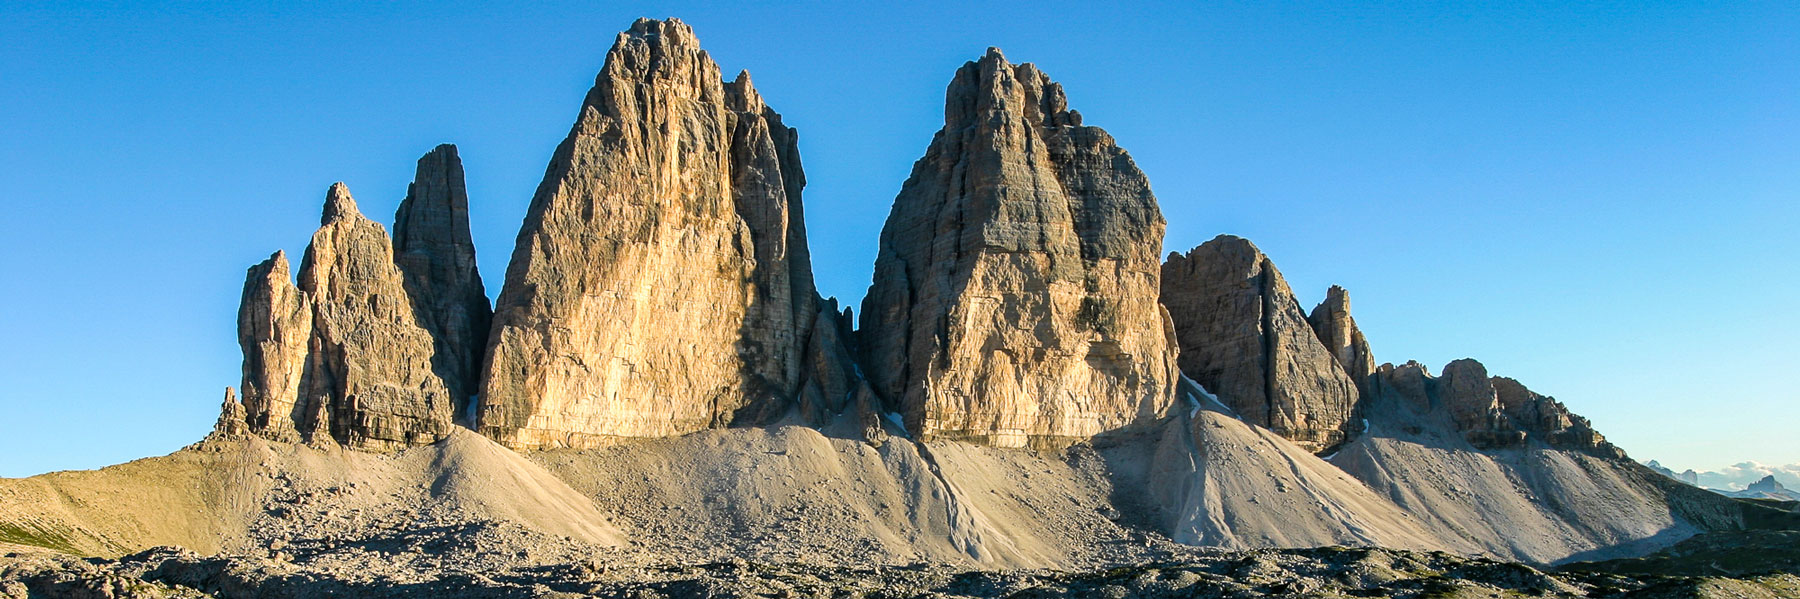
pixel 1336 329
pixel 1014 295
pixel 342 356
pixel 660 284
pixel 1244 337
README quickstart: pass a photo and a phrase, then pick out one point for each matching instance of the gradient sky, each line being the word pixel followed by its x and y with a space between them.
pixel 1597 199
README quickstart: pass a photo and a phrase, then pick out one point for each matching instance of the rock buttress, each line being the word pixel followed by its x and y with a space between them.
pixel 660 283
pixel 1245 338
pixel 1014 295
pixel 344 356
pixel 433 247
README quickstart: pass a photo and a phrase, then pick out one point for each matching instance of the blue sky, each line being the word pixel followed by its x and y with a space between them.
pixel 1596 199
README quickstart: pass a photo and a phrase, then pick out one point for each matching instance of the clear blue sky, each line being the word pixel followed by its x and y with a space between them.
pixel 1597 199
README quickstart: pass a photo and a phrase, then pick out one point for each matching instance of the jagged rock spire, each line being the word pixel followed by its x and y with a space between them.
pixel 274 329
pixel 433 246
pixel 1014 296
pixel 370 362
pixel 660 284
pixel 1332 322
pixel 343 356
pixel 1244 337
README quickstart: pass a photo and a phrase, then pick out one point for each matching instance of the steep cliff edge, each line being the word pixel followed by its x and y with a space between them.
pixel 350 354
pixel 660 284
pixel 1244 337
pixel 1014 295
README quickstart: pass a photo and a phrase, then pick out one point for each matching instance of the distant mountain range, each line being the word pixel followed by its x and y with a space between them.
pixel 1744 479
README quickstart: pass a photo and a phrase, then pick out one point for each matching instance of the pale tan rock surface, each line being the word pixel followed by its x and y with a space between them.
pixel 344 356
pixel 1488 412
pixel 1487 458
pixel 433 247
pixel 1014 295
pixel 660 284
pixel 233 421
pixel 274 329
pixel 1244 337
pixel 369 364
pixel 1335 327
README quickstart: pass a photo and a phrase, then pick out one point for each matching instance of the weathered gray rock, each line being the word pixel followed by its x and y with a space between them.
pixel 274 329
pixel 660 284
pixel 343 356
pixel 233 420
pixel 1014 296
pixel 369 364
pixel 1245 338
pixel 1335 327
pixel 432 246
pixel 1489 412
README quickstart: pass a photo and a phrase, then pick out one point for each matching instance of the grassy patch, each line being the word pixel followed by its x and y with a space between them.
pixel 37 536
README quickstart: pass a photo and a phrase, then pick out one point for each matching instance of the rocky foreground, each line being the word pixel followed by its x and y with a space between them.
pixel 457 564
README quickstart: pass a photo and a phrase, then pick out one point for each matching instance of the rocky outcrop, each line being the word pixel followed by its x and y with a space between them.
pixel 660 284
pixel 1014 296
pixel 1488 412
pixel 433 248
pixel 274 330
pixel 1332 322
pixel 369 364
pixel 1245 338
pixel 233 420
pixel 347 355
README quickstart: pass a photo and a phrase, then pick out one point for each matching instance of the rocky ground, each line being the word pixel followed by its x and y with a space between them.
pixel 460 563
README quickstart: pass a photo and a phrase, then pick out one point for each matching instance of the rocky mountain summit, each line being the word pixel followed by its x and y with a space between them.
pixel 1014 299
pixel 661 404
pixel 347 355
pixel 661 283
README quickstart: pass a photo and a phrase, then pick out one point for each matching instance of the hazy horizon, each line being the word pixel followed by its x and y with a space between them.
pixel 1597 201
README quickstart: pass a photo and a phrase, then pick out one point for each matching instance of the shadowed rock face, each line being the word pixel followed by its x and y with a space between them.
pixel 1244 337
pixel 660 284
pixel 1014 296
pixel 433 248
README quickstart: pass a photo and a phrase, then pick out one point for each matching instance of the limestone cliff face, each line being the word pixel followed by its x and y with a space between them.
pixel 369 365
pixel 350 354
pixel 1488 412
pixel 1332 322
pixel 1014 296
pixel 274 329
pixel 1244 337
pixel 432 246
pixel 660 284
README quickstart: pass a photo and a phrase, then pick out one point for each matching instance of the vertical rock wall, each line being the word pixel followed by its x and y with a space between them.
pixel 660 283
pixel 1014 296
pixel 432 246
pixel 1244 337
